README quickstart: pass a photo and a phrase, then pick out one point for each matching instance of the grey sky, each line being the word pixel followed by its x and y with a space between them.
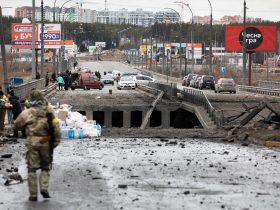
pixel 265 9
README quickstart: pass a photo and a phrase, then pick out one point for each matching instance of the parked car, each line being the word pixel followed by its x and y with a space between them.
pixel 225 85
pixel 207 82
pixel 129 74
pixel 147 74
pixel 196 82
pixel 86 81
pixel 192 81
pixel 187 79
pixel 126 82
pixel 107 79
pixel 142 79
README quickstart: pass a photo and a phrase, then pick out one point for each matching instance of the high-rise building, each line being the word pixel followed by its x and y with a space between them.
pixel 23 12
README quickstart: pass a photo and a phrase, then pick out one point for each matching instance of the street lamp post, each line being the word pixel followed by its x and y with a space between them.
pixel 34 56
pixel 244 45
pixel 54 10
pixel 61 8
pixel 180 38
pixel 62 50
pixel 42 38
pixel 191 38
pixel 210 46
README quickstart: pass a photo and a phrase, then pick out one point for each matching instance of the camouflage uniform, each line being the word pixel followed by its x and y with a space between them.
pixel 34 121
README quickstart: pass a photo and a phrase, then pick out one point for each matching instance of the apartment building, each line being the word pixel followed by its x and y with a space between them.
pixel 23 12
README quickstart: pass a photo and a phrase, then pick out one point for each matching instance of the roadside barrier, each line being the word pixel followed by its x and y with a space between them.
pixel 259 90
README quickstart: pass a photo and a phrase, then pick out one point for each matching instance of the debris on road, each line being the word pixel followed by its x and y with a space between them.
pixel 74 125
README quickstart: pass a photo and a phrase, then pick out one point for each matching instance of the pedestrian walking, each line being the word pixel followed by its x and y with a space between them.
pixel 15 107
pixel 43 135
pixel 118 77
pixel 53 77
pixel 3 101
pixel 47 79
pixel 60 82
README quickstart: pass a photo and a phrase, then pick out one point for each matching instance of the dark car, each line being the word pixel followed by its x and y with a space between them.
pixel 187 79
pixel 108 79
pixel 207 82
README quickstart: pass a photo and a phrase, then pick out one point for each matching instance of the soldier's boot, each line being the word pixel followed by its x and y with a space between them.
pixel 44 183
pixel 32 184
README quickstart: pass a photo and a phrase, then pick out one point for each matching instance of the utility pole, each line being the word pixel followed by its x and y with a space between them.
pixel 3 52
pixel 210 46
pixel 151 52
pixel 42 38
pixel 244 45
pixel 34 69
pixel 192 41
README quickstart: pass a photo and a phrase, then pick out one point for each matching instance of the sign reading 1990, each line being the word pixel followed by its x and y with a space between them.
pixel 48 36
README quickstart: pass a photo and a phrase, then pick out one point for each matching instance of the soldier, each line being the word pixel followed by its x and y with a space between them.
pixel 40 141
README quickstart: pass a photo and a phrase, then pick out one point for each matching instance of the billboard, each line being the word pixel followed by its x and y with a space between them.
pixel 197 48
pixel 167 48
pixel 258 38
pixel 51 35
pixel 22 35
pixel 100 44
pixel 143 49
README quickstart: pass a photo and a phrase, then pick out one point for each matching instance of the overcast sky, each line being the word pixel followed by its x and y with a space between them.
pixel 265 9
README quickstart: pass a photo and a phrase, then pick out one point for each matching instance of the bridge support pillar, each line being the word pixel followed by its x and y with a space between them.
pixel 126 119
pixel 165 118
pixel 89 114
pixel 108 119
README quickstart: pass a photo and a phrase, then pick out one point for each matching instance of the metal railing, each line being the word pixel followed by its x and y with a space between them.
pixel 269 84
pixel 259 90
pixel 23 91
pixel 198 97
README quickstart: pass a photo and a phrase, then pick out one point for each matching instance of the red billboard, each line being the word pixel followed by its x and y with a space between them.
pixel 258 38
pixel 22 35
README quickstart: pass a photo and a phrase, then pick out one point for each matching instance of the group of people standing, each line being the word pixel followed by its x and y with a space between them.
pixel 63 80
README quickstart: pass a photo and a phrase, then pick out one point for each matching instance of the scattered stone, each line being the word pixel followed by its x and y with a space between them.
pixel 186 192
pixel 122 186
pixel 7 156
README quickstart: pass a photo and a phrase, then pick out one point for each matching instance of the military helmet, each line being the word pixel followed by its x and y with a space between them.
pixel 36 95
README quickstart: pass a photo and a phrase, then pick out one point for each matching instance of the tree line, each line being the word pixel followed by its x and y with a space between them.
pixel 88 33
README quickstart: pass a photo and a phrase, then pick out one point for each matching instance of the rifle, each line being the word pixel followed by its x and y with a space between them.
pixel 52 136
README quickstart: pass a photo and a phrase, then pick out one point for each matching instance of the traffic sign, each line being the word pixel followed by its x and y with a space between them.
pixel 223 69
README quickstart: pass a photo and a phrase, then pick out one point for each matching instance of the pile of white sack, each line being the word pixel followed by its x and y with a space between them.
pixel 75 125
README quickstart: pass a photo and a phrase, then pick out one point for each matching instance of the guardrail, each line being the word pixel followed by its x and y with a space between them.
pixel 269 84
pixel 23 90
pixel 259 90
pixel 199 98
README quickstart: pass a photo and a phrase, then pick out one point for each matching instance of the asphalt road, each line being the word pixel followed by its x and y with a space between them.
pixel 149 174
pixel 152 174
